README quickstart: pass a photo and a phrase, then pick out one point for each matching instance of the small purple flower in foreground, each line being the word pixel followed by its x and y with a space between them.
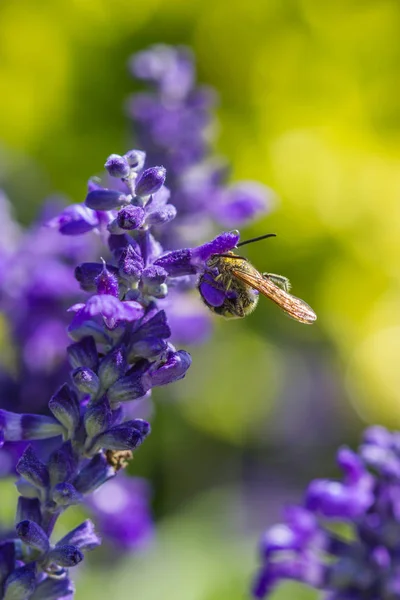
pixel 364 565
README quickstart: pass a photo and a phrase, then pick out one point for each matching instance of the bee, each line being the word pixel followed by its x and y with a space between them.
pixel 230 286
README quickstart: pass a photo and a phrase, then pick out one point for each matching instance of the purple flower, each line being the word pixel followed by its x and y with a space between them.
pixel 75 220
pixel 121 348
pixel 307 549
pixel 109 307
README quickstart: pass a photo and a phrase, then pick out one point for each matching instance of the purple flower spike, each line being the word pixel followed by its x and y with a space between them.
pixel 150 181
pixel 117 166
pixel 307 549
pixel 75 219
pixel 102 199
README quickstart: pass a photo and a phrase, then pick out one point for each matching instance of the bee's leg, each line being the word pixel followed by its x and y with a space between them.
pixel 279 280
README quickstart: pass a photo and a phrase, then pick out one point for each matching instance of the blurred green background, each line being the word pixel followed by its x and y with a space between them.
pixel 309 105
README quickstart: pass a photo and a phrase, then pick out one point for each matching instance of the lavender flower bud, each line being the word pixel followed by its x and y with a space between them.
pixel 53 589
pixel 83 354
pixel 112 367
pixel 130 387
pixel 107 282
pixel 163 215
pixel 65 556
pixel 135 159
pixel 65 407
pixel 130 217
pixel 21 583
pixel 222 243
pixel 83 537
pixel 32 469
pixel 117 166
pixel 64 494
pixel 173 369
pixel 154 275
pixel 93 475
pixel 150 347
pixel 177 262
pixel 102 199
pixel 150 181
pixel 33 536
pixel 127 436
pixel 75 219
pixel 28 509
pixel 86 381
pixel 130 265
pixel 87 273
pixel 7 560
pixel 61 464
pixel 97 418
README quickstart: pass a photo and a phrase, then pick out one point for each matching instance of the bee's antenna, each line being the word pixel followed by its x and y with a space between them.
pixel 256 239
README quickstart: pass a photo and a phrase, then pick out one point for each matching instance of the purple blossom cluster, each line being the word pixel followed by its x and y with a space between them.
pixel 124 333
pixel 344 540
pixel 121 351
pixel 37 285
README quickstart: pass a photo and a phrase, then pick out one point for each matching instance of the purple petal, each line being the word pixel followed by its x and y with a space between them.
pixel 222 243
pixel 75 220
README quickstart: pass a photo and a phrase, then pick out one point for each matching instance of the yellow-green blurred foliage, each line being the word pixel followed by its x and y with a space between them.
pixel 309 106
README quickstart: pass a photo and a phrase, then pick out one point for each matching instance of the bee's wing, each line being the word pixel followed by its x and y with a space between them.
pixel 294 307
